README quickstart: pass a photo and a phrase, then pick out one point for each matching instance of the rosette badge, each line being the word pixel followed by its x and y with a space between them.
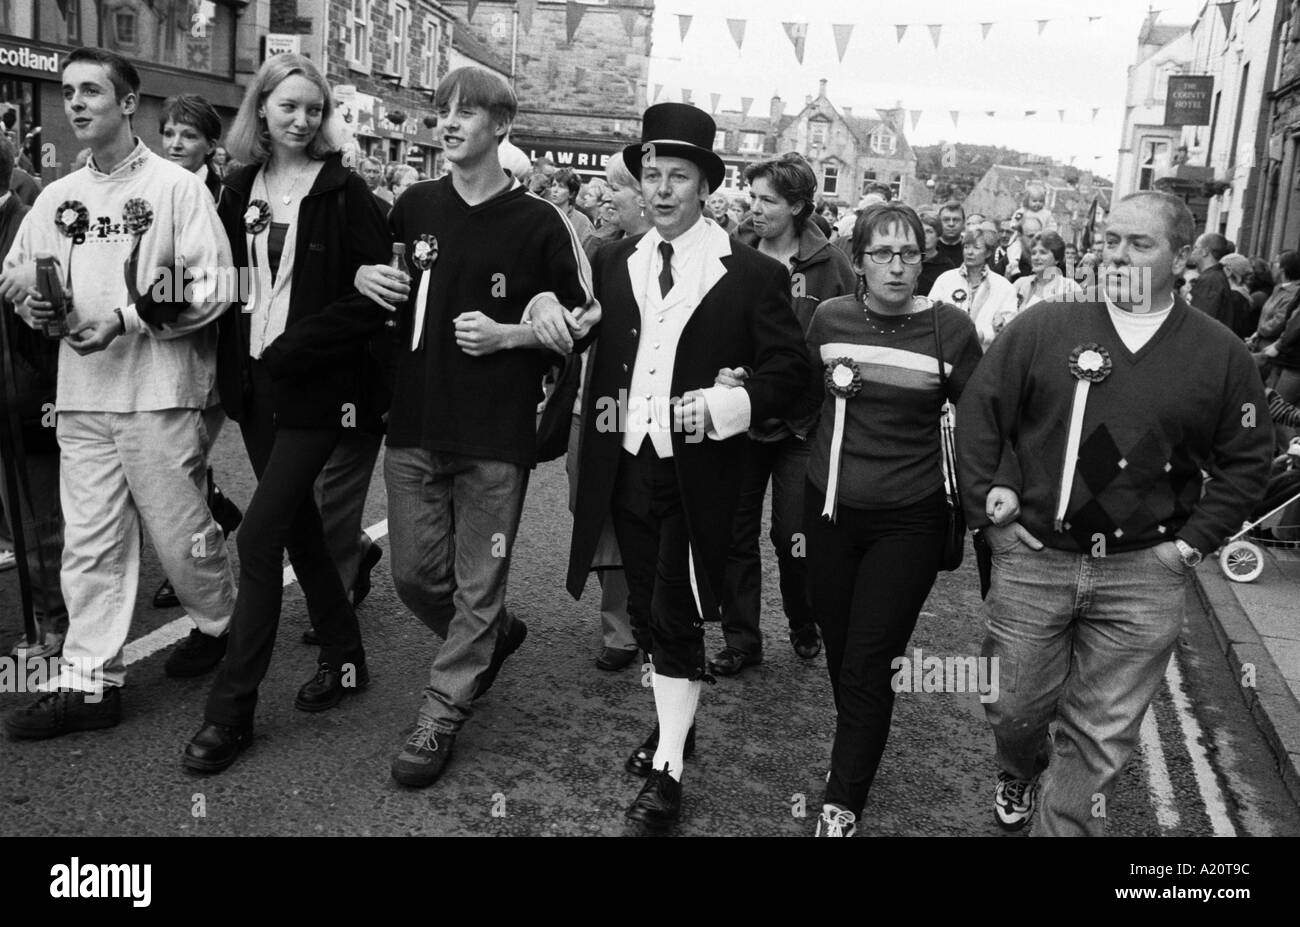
pixel 423 255
pixel 73 220
pixel 257 216
pixel 843 380
pixel 1088 363
pixel 137 216
pixel 426 251
pixel 959 296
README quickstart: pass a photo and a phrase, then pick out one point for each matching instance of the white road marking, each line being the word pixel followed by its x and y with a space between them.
pixel 1162 789
pixel 1216 806
pixel 176 630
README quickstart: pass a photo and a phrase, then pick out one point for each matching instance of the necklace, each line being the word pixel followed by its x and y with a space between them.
pixel 900 321
pixel 287 198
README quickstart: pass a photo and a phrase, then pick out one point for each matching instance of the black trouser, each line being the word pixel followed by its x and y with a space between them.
pixel 785 463
pixel 281 516
pixel 650 525
pixel 869 573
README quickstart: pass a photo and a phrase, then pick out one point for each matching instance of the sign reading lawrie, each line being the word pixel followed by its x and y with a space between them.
pixel 1188 101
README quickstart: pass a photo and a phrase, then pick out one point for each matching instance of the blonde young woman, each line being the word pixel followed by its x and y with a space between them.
pixel 294 372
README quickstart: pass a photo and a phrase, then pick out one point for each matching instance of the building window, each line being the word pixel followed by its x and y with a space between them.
pixel 720 140
pixel 868 178
pixel 1155 155
pixel 73 22
pixel 751 141
pixel 358 35
pixel 124 28
pixel 401 14
pixel 6 17
pixel 429 69
pixel 732 179
pixel 817 134
pixel 830 180
pixel 883 143
pixel 897 186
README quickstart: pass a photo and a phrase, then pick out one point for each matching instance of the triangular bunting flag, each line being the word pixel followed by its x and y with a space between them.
pixel 954 114
pixel 935 29
pixel 684 24
pixel 572 17
pixel 1095 111
pixel 798 33
pixel 1060 114
pixel 1225 10
pixel 713 102
pixel 1030 112
pixel 990 113
pixel 470 7
pixel 526 10
pixel 915 114
pixel 686 95
pixel 985 27
pixel 629 17
pixel 901 29
pixel 745 104
pixel 737 27
pixel 1093 19
pixel 659 88
pixel 1042 24
pixel 842 34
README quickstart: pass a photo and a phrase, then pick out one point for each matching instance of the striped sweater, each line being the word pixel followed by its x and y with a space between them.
pixel 890 456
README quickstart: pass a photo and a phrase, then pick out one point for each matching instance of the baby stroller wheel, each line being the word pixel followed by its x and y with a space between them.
pixel 1241 561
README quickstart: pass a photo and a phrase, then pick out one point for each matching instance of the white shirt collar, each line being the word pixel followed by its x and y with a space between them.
pixel 683 243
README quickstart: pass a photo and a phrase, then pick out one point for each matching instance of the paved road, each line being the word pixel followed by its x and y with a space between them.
pixel 544 752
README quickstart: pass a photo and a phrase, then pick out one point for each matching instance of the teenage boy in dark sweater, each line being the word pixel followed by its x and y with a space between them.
pixel 1093 553
pixel 485 255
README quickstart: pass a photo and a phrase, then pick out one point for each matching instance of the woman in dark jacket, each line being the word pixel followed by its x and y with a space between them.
pixel 294 372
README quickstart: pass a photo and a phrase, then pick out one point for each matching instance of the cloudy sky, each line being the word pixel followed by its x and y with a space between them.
pixel 1072 65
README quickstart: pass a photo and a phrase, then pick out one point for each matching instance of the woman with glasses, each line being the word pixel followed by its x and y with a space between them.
pixel 875 512
pixel 1048 281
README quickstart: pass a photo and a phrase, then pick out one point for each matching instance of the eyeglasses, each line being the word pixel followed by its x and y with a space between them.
pixel 886 255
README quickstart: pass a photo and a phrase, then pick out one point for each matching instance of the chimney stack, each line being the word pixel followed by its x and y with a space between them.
pixel 777 108
pixel 822 90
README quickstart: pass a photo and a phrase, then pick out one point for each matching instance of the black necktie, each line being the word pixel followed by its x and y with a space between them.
pixel 666 272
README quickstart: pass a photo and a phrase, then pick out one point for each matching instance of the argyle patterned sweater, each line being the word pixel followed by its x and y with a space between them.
pixel 1190 400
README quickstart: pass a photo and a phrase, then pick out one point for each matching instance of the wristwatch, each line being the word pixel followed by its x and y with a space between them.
pixel 1190 555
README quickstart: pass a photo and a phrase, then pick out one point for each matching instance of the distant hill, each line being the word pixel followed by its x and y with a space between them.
pixel 966 164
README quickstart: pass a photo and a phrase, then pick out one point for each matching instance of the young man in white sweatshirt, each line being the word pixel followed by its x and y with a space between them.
pixel 134 375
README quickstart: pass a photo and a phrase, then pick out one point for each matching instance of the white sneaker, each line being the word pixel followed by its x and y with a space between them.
pixel 1014 801
pixel 7 560
pixel 836 822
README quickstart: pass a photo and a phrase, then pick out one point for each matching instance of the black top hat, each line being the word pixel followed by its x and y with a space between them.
pixel 677 130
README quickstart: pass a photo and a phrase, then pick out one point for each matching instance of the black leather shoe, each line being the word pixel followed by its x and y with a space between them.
pixel 806 641
pixel 660 803
pixel 327 688
pixel 729 661
pixel 165 597
pixel 612 660
pixel 197 654
pixel 215 747
pixel 641 760
pixel 361 588
pixel 64 711
pixel 505 647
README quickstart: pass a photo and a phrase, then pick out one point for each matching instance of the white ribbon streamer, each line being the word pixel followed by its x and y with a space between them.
pixel 421 299
pixel 1072 448
pixel 837 442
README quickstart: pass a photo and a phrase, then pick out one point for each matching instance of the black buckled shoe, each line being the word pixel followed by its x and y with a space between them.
pixel 64 711
pixel 361 588
pixel 641 760
pixel 327 688
pixel 660 803
pixel 165 597
pixel 729 661
pixel 216 746
pixel 197 654
pixel 505 647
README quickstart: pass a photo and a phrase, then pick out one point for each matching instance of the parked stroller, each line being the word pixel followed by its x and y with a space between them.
pixel 1241 557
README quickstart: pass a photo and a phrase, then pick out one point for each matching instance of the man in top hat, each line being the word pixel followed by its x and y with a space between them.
pixel 662 446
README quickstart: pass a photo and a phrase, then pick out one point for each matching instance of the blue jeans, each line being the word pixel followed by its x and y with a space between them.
pixel 452 522
pixel 1083 641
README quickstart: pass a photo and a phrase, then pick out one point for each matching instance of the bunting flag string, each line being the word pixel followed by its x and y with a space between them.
pixel 843 32
pixel 526 10
pixel 1042 24
pixel 902 31
pixel 572 18
pixel 629 17
pixel 798 33
pixel 935 29
pixel 714 99
pixel 1060 115
pixel 985 27
pixel 954 113
pixel 684 24
pixel 1226 10
pixel 737 27
pixel 745 104
pixel 915 115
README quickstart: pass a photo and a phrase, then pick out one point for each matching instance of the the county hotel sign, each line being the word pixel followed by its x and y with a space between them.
pixel 17 56
pixel 1188 101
